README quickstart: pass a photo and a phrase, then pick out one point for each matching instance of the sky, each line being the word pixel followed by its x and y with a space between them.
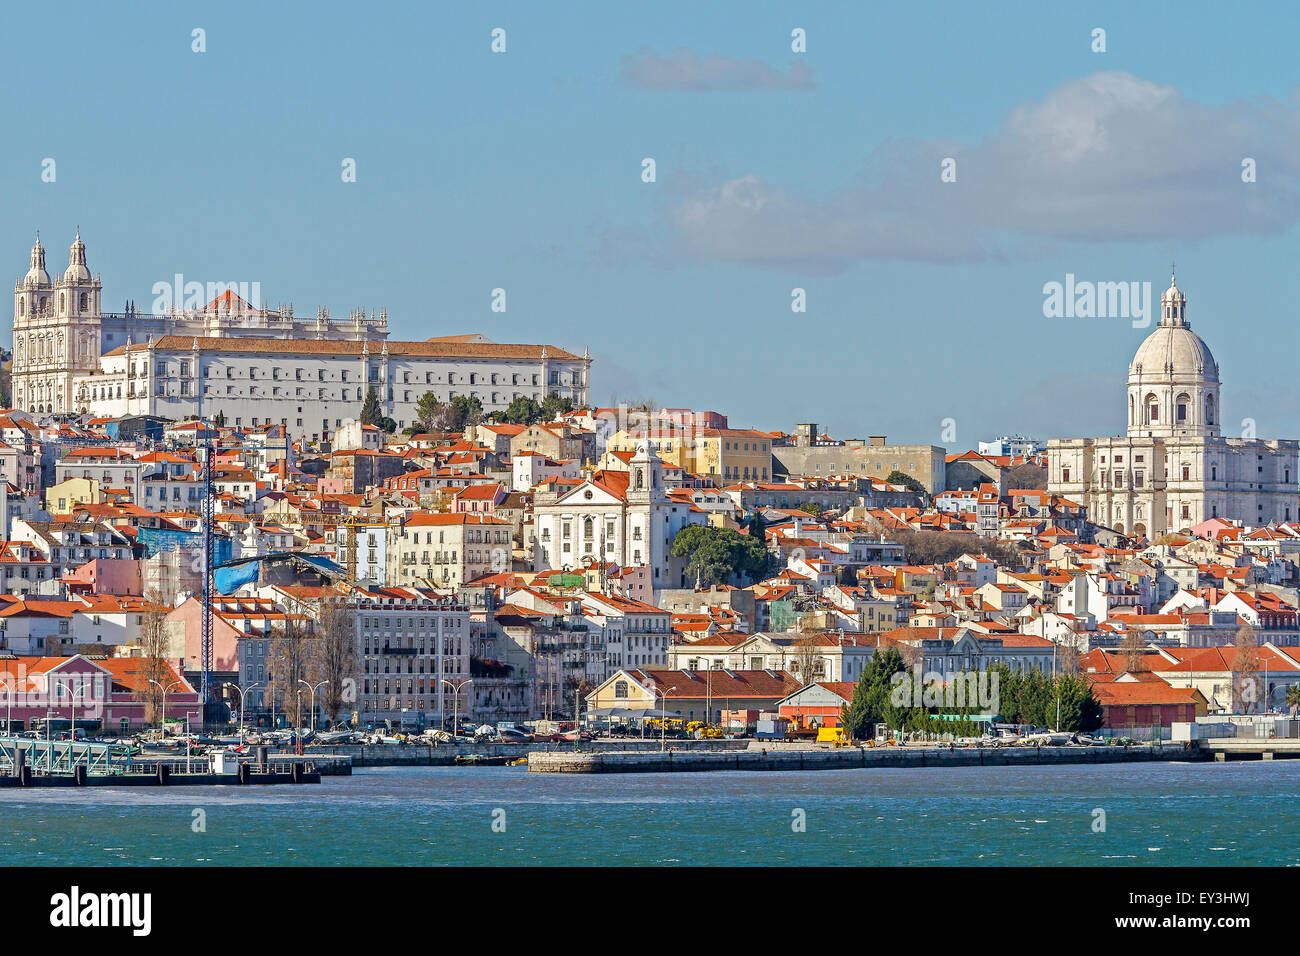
pixel 774 170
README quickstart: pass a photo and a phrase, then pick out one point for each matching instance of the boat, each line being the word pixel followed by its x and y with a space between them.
pixel 480 760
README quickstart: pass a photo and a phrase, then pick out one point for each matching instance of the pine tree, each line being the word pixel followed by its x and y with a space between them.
pixel 370 413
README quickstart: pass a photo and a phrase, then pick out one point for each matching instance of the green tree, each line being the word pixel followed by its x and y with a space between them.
pixel 553 407
pixel 716 554
pixel 871 702
pixel 522 411
pixel 811 507
pixel 370 412
pixel 897 477
pixel 1080 709
pixel 428 411
pixel 465 410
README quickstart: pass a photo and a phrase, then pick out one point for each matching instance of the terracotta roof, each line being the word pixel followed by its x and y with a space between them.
pixel 431 349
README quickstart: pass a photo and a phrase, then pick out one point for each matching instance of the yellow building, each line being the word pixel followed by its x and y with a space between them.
pixel 70 493
pixel 731 454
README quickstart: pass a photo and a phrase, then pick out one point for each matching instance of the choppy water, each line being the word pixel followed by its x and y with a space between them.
pixel 1233 814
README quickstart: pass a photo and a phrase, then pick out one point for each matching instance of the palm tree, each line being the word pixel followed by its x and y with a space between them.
pixel 1293 698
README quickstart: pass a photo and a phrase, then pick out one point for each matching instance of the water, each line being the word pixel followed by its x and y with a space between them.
pixel 1230 814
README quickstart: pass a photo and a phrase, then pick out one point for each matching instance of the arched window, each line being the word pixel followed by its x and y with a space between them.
pixel 1153 410
pixel 1180 408
pixel 85 302
pixel 1209 409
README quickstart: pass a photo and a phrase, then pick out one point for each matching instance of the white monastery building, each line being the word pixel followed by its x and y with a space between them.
pixel 1174 469
pixel 253 366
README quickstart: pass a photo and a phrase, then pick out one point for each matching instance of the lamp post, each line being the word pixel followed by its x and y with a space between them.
pixel 162 720
pixel 455 701
pixel 9 705
pixel 663 716
pixel 312 688
pixel 242 706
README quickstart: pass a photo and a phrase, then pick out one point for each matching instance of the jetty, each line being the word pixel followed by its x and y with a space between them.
pixel 793 758
pixel 31 762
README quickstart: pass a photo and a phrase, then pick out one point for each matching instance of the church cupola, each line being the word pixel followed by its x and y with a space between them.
pixel 77 271
pixel 36 274
pixel 1173 305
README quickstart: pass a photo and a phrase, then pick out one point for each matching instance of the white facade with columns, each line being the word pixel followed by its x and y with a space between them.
pixel 1174 469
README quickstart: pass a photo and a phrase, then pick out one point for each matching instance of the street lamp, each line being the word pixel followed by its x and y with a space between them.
pixel 242 707
pixel 313 694
pixel 162 720
pixel 72 734
pixel 9 705
pixel 455 701
pixel 663 716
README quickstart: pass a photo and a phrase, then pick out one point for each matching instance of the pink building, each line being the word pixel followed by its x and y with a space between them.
pixel 111 691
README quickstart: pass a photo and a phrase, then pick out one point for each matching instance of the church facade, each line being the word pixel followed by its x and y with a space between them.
pixel 1174 468
pixel 251 366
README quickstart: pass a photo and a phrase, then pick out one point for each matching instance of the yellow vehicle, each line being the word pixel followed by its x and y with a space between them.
pixel 701 731
pixel 832 735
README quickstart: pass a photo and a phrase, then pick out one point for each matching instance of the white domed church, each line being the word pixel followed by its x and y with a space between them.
pixel 1174 469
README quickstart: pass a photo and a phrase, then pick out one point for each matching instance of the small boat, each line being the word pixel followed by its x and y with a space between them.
pixel 480 760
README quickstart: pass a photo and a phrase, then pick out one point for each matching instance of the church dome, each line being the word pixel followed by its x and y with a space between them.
pixel 1173 351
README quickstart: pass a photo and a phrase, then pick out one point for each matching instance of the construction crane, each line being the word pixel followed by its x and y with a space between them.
pixel 207 510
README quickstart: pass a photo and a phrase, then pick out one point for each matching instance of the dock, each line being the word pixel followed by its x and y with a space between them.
pixel 27 762
pixel 786 758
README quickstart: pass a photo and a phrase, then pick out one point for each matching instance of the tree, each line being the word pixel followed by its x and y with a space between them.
pixel 428 411
pixel 370 411
pixel 465 410
pixel 154 644
pixel 1080 710
pixel 1293 698
pixel 522 411
pixel 553 406
pixel 897 477
pixel 289 661
pixel 871 703
pixel 811 508
pixel 807 655
pixel 1134 650
pixel 717 554
pixel 335 659
pixel 1245 666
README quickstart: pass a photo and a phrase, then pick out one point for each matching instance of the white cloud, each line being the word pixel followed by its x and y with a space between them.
pixel 685 70
pixel 1109 156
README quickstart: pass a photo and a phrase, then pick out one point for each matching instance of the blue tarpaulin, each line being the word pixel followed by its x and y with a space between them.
pixel 230 579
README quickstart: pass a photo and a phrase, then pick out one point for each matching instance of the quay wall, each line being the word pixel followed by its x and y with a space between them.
pixel 846 758
pixel 427 755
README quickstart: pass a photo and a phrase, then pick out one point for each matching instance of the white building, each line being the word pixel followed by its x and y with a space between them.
pixel 60 330
pixel 1174 469
pixel 251 365
pixel 623 517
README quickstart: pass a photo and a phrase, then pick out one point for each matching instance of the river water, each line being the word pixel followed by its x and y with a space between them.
pixel 1229 814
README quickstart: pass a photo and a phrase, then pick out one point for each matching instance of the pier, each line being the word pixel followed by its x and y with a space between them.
pixel 31 762
pixel 778 758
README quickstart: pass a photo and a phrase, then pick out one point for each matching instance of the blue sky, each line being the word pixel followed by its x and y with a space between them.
pixel 775 170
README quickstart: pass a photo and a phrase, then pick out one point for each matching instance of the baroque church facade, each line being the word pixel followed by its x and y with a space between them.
pixel 1174 469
